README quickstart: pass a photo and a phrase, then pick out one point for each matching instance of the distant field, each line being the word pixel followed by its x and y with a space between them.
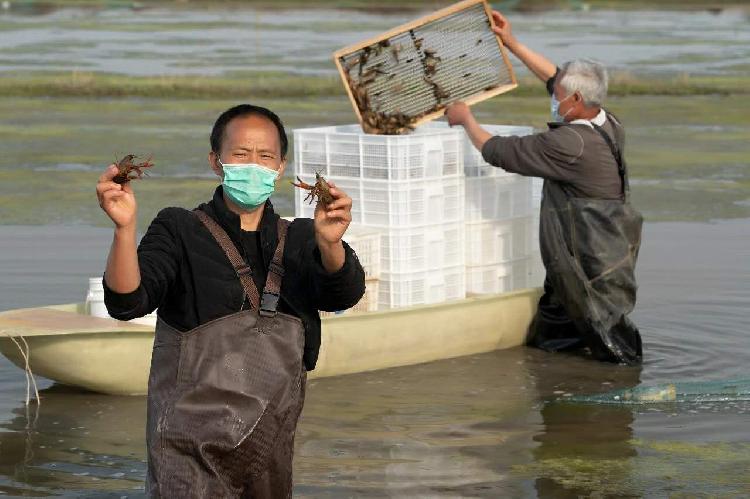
pixel 687 134
pixel 278 84
pixel 688 155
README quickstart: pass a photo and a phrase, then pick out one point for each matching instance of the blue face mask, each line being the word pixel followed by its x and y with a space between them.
pixel 554 107
pixel 248 185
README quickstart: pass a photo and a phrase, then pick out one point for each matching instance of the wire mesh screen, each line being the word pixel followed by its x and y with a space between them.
pixel 408 76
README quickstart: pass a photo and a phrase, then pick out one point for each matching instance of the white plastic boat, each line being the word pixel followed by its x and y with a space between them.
pixel 110 356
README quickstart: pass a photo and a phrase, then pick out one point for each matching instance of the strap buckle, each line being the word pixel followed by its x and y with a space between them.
pixel 276 269
pixel 243 269
pixel 268 304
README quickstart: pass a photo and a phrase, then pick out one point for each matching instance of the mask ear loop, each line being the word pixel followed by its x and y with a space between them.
pixel 569 109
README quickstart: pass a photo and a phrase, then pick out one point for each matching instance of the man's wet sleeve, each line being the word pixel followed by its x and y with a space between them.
pixel 551 155
pixel 551 82
pixel 158 260
pixel 125 306
pixel 339 290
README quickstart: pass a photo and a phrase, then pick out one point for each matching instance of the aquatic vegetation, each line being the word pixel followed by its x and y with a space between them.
pixel 690 392
pixel 82 84
pixel 688 156
pixel 657 468
pixel 280 84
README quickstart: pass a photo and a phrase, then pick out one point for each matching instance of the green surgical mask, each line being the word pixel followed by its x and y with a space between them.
pixel 248 185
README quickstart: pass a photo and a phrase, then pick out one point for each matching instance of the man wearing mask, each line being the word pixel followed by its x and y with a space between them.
pixel 589 232
pixel 238 291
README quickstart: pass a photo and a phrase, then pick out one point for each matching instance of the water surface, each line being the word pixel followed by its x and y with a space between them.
pixel 492 425
pixel 488 425
pixel 159 41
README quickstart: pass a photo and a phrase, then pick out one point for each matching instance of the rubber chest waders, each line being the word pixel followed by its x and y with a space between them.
pixel 589 248
pixel 224 398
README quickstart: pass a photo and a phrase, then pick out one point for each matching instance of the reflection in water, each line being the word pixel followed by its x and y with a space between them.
pixel 74 440
pixel 407 431
pixel 451 427
pixel 575 435
pixel 492 425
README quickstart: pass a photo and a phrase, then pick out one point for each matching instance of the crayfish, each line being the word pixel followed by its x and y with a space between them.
pixel 128 170
pixel 320 190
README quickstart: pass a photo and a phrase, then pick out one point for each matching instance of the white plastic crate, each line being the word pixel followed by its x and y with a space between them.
pixel 505 277
pixel 537 272
pixel 419 288
pixel 474 164
pixel 388 204
pixel 499 198
pixel 426 248
pixel 498 278
pixel 345 151
pixel 537 185
pixel 368 302
pixel 365 241
pixel 535 231
pixel 495 241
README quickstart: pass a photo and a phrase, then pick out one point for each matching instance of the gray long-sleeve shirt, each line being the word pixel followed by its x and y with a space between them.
pixel 573 154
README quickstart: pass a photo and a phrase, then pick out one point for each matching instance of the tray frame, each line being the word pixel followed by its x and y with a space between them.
pixel 451 9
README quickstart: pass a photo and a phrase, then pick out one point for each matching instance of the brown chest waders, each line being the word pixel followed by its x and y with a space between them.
pixel 224 398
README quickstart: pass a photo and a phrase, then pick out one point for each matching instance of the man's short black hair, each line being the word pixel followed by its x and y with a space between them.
pixel 217 134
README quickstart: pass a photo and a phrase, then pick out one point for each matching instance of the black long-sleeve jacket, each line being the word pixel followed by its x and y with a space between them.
pixel 186 274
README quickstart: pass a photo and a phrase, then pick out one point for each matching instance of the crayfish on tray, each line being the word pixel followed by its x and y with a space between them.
pixel 128 169
pixel 320 190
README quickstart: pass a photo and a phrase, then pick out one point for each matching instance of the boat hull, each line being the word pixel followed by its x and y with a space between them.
pixel 109 356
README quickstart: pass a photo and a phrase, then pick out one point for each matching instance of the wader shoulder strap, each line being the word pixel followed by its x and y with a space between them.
pixel 272 290
pixel 617 154
pixel 241 268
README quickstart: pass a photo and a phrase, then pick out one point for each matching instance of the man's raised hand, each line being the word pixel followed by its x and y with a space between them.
pixel 117 200
pixel 502 28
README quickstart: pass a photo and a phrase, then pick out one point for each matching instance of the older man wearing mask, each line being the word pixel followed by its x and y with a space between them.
pixel 238 291
pixel 589 232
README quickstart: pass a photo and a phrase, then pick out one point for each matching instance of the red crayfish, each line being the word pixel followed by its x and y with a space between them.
pixel 320 190
pixel 128 169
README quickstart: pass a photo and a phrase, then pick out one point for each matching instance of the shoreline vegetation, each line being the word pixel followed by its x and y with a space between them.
pixel 687 156
pixel 283 85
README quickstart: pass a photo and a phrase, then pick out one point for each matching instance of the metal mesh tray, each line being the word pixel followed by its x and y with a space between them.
pixel 407 76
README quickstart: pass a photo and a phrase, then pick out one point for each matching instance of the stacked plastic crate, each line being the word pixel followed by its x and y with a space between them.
pixel 408 187
pixel 538 273
pixel 502 223
pixel 366 244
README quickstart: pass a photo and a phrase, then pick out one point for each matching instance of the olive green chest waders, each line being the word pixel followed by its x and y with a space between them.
pixel 589 249
pixel 224 398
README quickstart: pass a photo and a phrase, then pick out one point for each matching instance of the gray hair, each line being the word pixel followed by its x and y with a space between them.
pixel 588 78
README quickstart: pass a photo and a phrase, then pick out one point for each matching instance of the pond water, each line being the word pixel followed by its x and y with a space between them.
pixel 158 41
pixel 491 425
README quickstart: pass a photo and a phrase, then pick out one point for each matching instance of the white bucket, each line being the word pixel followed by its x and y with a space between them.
pixel 95 298
pixel 95 303
pixel 147 320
